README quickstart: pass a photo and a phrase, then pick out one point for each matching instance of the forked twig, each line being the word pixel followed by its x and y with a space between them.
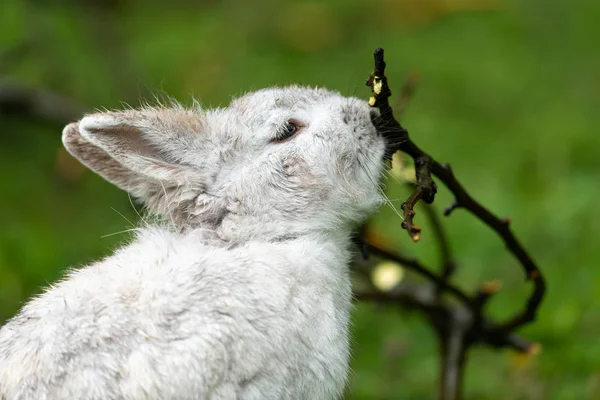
pixel 461 325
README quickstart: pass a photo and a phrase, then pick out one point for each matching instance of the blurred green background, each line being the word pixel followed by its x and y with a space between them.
pixel 509 95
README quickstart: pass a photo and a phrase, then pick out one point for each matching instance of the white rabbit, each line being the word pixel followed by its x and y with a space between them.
pixel 243 291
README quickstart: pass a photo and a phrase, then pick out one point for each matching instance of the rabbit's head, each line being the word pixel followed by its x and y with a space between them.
pixel 278 161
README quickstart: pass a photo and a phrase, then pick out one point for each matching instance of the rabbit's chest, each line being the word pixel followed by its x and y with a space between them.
pixel 282 327
pixel 268 322
pixel 301 351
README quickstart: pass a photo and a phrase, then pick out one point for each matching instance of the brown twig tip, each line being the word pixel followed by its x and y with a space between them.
pixel 378 82
pixel 485 292
pixel 534 274
pixel 414 231
pixel 379 62
pixel 491 287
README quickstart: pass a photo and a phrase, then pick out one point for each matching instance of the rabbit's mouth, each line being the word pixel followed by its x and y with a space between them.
pixel 389 131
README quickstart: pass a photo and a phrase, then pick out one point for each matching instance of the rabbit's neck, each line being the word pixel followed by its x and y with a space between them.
pixel 236 229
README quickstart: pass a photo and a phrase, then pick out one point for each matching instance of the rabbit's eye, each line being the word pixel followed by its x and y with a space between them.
pixel 289 129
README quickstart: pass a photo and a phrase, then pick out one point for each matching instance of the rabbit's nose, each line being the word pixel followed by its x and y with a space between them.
pixel 374 114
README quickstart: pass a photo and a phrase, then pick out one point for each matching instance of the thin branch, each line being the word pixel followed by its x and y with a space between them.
pixel 414 265
pixel 414 231
pixel 485 292
pixel 445 316
pixel 501 227
pixel 414 296
pixel 23 100
pixel 454 352
pixel 424 297
pixel 448 210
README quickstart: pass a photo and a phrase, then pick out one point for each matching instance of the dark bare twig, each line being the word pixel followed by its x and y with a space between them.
pixel 459 325
pixel 485 292
pixel 448 210
pixel 414 265
pixel 453 347
pixel 24 100
pixel 414 231
pixel 501 227
pixel 425 165
pixel 398 139
pixel 422 297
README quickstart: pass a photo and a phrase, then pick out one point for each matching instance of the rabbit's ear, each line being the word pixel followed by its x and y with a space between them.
pixel 138 151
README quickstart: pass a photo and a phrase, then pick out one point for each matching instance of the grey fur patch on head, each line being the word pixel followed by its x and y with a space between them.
pixel 198 168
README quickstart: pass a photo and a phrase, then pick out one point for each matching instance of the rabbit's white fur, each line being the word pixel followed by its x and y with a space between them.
pixel 244 291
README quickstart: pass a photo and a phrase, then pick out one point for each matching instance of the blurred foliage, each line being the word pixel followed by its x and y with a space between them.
pixel 509 95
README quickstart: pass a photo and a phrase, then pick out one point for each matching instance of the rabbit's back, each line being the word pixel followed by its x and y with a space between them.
pixel 170 317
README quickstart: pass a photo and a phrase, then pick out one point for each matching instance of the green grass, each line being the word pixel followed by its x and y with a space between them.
pixel 509 96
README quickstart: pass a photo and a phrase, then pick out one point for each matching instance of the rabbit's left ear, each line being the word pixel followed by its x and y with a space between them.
pixel 139 151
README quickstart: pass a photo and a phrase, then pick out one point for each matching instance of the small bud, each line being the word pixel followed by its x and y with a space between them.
pixel 491 287
pixel 377 85
pixel 415 235
pixel 534 274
